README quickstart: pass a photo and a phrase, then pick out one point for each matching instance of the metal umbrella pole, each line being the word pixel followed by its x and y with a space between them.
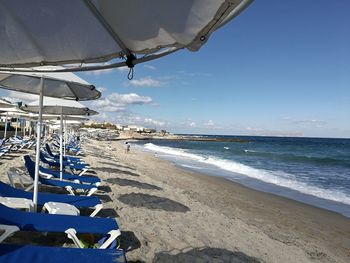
pixel 16 127
pixel 61 146
pixel 5 125
pixel 38 141
pixel 65 137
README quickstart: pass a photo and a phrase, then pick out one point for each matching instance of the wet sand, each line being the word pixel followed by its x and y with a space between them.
pixel 168 214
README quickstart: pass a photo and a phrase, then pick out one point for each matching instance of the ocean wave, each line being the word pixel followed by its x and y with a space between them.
pixel 300 158
pixel 274 177
pixel 249 151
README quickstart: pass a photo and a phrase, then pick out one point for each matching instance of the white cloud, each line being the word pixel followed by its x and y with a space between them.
pixel 127 117
pixel 123 69
pixel 150 67
pixel 105 71
pixel 101 89
pixel 154 122
pixel 15 96
pixel 311 122
pixel 210 123
pixel 192 124
pixel 118 102
pixel 146 82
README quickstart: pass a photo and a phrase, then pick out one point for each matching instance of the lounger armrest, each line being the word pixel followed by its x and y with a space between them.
pixel 7 231
pixel 45 175
pixel 70 190
pixel 92 191
pixel 114 234
pixel 97 209
pixel 72 234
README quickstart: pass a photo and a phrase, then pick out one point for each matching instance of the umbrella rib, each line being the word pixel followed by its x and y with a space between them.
pixel 90 68
pixel 73 91
pixel 106 26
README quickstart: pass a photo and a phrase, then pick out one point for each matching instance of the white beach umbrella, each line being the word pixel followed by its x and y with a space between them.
pixel 59 85
pixel 9 109
pixel 36 32
pixel 57 107
pixel 62 108
pixel 5 105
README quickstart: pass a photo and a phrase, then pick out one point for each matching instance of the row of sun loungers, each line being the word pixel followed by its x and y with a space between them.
pixel 14 144
pixel 80 197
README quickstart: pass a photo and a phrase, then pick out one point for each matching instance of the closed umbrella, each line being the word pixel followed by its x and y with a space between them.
pixel 36 32
pixel 59 85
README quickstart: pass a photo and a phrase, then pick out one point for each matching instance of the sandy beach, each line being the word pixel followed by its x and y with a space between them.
pixel 168 214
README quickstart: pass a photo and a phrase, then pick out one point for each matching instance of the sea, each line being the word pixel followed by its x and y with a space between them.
pixel 314 171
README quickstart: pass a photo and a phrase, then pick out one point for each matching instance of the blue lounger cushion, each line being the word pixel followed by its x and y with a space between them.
pixel 57 163
pixel 71 158
pixel 27 253
pixel 67 176
pixel 27 221
pixel 30 165
pixel 78 201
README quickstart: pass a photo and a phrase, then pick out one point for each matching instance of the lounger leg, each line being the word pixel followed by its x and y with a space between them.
pixel 83 171
pixel 72 234
pixel 114 234
pixel 8 230
pixel 91 191
pixel 70 190
pixel 97 209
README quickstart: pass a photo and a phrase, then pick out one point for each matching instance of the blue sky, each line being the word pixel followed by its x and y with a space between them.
pixel 280 68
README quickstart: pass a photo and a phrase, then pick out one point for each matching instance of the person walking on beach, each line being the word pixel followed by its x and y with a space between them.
pixel 127 147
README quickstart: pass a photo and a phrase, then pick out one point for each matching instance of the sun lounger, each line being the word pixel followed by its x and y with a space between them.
pixel 71 225
pixel 69 186
pixel 78 201
pixel 53 163
pixel 71 177
pixel 27 253
pixel 67 158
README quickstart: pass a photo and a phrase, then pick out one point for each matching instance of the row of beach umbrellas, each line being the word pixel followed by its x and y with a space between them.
pixel 89 35
pixel 55 85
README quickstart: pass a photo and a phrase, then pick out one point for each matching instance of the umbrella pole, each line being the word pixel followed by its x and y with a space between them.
pixel 16 127
pixel 6 125
pixel 24 128
pixel 38 141
pixel 65 137
pixel 61 148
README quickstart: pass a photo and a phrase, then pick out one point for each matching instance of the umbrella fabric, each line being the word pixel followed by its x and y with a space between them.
pixel 59 85
pixel 37 32
pixel 5 104
pixel 59 107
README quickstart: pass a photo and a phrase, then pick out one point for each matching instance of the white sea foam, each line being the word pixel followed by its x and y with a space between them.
pixel 274 177
pixel 191 166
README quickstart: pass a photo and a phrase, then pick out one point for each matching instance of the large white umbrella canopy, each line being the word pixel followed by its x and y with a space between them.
pixel 52 32
pixel 59 85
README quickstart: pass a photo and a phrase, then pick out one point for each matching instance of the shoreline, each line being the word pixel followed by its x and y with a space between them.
pixel 252 182
pixel 282 219
pixel 170 214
